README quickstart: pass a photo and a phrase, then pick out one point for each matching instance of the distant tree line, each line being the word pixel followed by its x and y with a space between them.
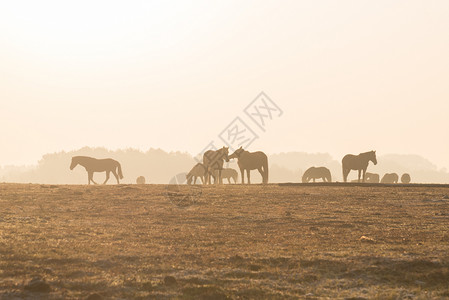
pixel 159 166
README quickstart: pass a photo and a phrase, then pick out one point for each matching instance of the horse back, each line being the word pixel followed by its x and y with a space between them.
pixel 252 160
pixel 353 162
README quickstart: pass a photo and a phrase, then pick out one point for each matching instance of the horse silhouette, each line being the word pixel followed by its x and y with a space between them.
pixel 372 177
pixel 214 160
pixel 140 180
pixel 250 161
pixel 405 178
pixel 316 173
pixel 92 165
pixel 228 173
pixel 357 162
pixel 390 178
pixel 198 171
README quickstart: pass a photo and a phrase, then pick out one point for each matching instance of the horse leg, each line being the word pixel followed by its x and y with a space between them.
pixel 229 180
pixel 220 180
pixel 107 177
pixel 262 174
pixel 345 174
pixel 116 176
pixel 360 172
pixel 248 172
pixel 364 175
pixel 91 177
pixel 243 175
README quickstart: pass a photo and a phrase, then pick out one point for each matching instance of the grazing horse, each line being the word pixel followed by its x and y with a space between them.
pixel 390 178
pixel 316 173
pixel 250 161
pixel 198 171
pixel 357 162
pixel 372 177
pixel 92 165
pixel 214 160
pixel 228 173
pixel 405 178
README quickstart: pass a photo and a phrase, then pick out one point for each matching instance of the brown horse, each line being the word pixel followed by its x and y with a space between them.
pixel 92 165
pixel 372 177
pixel 405 178
pixel 316 173
pixel 390 178
pixel 214 160
pixel 251 161
pixel 198 171
pixel 357 162
pixel 228 173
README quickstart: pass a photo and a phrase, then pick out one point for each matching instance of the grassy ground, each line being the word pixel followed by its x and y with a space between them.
pixel 238 242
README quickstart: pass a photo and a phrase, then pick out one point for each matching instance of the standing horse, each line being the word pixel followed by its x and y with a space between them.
pixel 357 162
pixel 250 161
pixel 92 165
pixel 214 160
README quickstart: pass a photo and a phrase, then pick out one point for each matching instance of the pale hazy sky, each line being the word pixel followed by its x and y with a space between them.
pixel 350 76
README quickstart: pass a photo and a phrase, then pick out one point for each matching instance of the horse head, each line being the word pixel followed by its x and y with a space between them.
pixel 74 163
pixel 189 178
pixel 373 157
pixel 236 153
pixel 225 152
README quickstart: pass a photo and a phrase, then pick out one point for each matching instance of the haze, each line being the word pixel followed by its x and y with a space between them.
pixel 350 76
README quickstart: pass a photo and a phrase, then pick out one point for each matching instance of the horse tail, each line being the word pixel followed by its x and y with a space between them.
pixel 265 169
pixel 120 174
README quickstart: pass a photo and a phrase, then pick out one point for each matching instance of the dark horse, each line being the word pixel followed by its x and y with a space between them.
pixel 213 161
pixel 250 161
pixel 357 162
pixel 92 165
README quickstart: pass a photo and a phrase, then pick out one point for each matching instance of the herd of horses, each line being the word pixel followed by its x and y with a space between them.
pixel 213 162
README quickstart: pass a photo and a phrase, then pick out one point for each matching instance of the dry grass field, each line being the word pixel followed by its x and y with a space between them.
pixel 233 242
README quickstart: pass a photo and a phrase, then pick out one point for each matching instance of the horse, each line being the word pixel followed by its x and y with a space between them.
pixel 92 165
pixel 250 161
pixel 357 162
pixel 214 160
pixel 140 180
pixel 390 178
pixel 371 177
pixel 198 171
pixel 228 173
pixel 316 173
pixel 405 178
